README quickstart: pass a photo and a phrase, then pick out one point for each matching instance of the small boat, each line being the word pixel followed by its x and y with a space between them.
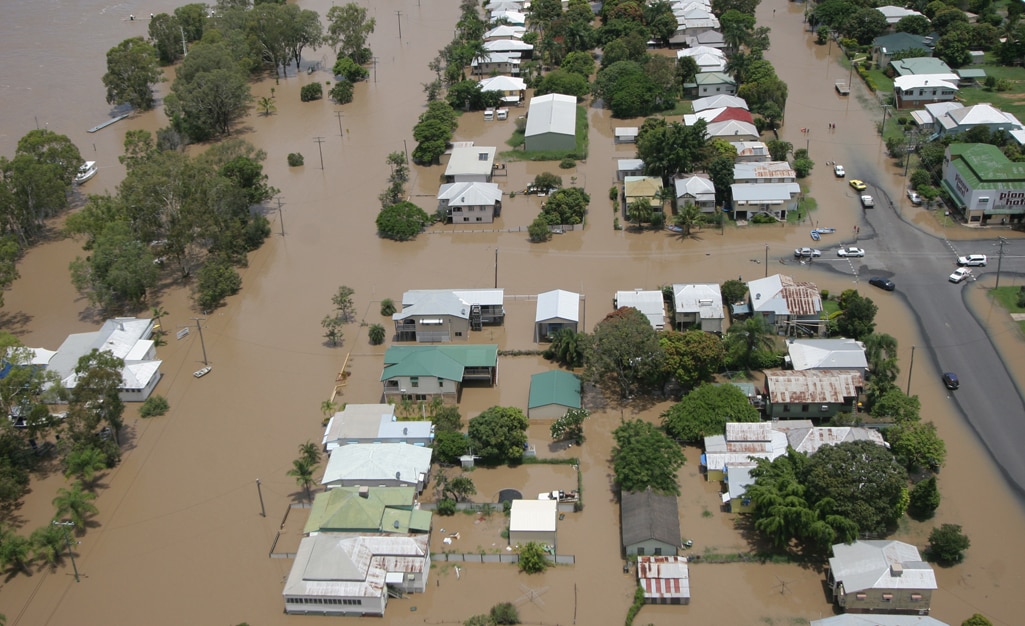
pixel 815 235
pixel 203 372
pixel 674 228
pixel 87 171
pixel 826 231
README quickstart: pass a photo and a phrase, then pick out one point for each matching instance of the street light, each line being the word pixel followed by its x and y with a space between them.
pixel 67 539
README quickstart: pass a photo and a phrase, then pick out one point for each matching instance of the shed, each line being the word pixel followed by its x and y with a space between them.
pixel 533 520
pixel 470 164
pixel 552 394
pixel 665 579
pixel 649 523
pixel 556 310
pixel 651 303
pixel 551 123
pixel 626 134
pixel 629 167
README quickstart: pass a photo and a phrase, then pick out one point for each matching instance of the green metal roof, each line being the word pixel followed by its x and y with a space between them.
pixel 554 387
pixel 344 510
pixel 445 362
pixel 921 65
pixel 984 166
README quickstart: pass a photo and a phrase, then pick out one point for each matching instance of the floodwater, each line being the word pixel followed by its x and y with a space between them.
pixel 180 537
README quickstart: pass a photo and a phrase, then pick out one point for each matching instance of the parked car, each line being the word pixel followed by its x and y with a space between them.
pixel 950 380
pixel 858 185
pixel 867 201
pixel 961 273
pixel 914 197
pixel 882 283
pixel 972 260
pixel 850 251
pixel 839 171
pixel 807 253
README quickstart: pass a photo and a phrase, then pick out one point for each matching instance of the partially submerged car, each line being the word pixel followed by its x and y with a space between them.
pixel 807 253
pixel 960 274
pixel 882 283
pixel 839 171
pixel 850 251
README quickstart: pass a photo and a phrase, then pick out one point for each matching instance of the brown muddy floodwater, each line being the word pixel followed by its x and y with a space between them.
pixel 179 537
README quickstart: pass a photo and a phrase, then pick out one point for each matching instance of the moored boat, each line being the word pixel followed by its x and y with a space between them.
pixel 87 171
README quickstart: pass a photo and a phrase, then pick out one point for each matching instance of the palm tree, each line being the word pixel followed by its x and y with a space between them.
pixel 47 543
pixel 75 503
pixel 881 353
pixel 310 453
pixel 266 105
pixel 14 550
pixel 686 217
pixel 328 408
pixel 745 339
pixel 302 471
pixel 158 314
pixel 83 464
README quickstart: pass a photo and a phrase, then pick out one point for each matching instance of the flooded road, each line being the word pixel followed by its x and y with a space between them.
pixel 179 537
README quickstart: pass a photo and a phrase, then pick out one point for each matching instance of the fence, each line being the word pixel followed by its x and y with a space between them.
pixel 476 557
pixel 559 229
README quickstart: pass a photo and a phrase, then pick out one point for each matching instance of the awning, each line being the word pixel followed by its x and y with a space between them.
pixel 432 322
pixel 956 197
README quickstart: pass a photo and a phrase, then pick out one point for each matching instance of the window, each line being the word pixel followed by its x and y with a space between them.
pixel 640 551
pixel 786 408
pixel 804 408
pixel 887 597
pixel 916 597
pixel 414 381
pixel 657 552
pixel 480 219
pixel 459 333
pixel 861 596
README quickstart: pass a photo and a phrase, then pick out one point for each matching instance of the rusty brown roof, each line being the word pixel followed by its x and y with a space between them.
pixel 812 386
pixel 802 298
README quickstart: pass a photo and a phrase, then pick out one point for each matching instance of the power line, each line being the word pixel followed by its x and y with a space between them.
pixel 202 343
pixel 398 15
pixel 320 140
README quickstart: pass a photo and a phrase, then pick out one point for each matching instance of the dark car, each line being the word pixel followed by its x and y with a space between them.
pixel 950 380
pixel 882 283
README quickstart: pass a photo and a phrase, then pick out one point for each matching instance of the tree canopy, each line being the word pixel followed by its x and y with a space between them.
pixel 402 221
pixel 644 457
pixel 499 434
pixel 692 356
pixel 131 73
pixel 623 355
pixel 705 410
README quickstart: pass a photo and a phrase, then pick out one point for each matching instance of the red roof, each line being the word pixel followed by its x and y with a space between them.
pixel 734 113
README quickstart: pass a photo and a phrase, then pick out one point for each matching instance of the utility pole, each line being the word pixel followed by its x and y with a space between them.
pixel 405 149
pixel 374 59
pixel 320 140
pixel 202 343
pixel 496 268
pixel 1000 259
pixel 281 218
pixel 766 260
pixel 398 15
pixel 67 539
pixel 263 511
pixel 911 366
pixel 338 114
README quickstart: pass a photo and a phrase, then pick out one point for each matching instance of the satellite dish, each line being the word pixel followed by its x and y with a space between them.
pixel 395 523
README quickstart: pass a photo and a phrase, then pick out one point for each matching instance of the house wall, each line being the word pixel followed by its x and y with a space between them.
pixel 336 606
pixel 477 214
pixel 651 547
pixel 737 505
pixel 708 325
pixel 551 141
pixel 806 411
pixel 452 328
pixel 548 411
pixel 874 600
pixel 716 90
pixel 543 331
pixel 402 388
pixel 523 537
pixel 140 395
pixel 714 475
pixel 348 441
pixel 919 97
pixel 1005 203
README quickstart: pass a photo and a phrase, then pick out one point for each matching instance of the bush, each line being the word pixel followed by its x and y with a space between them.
pixel 505 613
pixel 532 558
pixel 947 544
pixel 313 91
pixel 154 406
pixel 567 164
pixel 924 499
pixel 217 280
pixel 763 218
pixel 387 307
pixel 342 92
pixel 446 507
pixel 295 159
pixel 376 334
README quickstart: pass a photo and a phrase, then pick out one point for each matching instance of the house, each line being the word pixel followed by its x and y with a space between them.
pixel 505 31
pixel 775 199
pixel 811 394
pixel 826 354
pixel 700 305
pixel 928 118
pixel 751 151
pixel 470 203
pixel 650 303
pixel 719 114
pixel 733 130
pixel 441 315
pixel 698 190
pixel 524 49
pixel 649 523
pixel 470 164
pixel 737 479
pixel 625 134
pixel 878 619
pixel 496 63
pixel 127 338
pixel 708 59
pixel 342 574
pixel 785 303
pixel 533 520
pixel 420 373
pixel 764 172
pixel 809 439
pixel 740 445
pixel 556 310
pixel 713 83
pixel 918 89
pixel 664 579
pixel 885 47
pixel 386 510
pixel 691 21
pixel 895 14
pixel 642 188
pixel 374 423
pixel 628 167
pixel 709 38
pixel 922 66
pixel 962 119
pixel 715 102
pixel 512 88
pixel 984 184
pixel 553 394
pixel 970 77
pixel 881 576
pixel 378 465
pixel 551 123
pixel 515 18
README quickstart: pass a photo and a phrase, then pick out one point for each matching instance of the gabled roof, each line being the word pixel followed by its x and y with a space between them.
pixel 922 81
pixel 715 102
pixel 505 30
pixel 761 170
pixel 629 165
pixel 503 83
pixel 664 578
pixel 810 439
pixel 714 78
pixel 489 297
pixel 497 57
pixel 554 387
pixel 978 114
pixel 435 303
pixel 643 187
pixel 751 149
pixel 705 299
pixel 558 305
pixel 742 442
pixel 364 463
pixel 920 65
pixel 650 303
pixel 731 128
pixel 470 194
pixel 373 421
pixel 700 188
pixel 865 565
pixel 552 113
pixel 809 354
pixel 366 509
pixel 711 38
pixel 507 45
pixel 813 386
pixel 444 362
pixel 646 515
pixel 783 295
pixel 332 565
pixel 513 17
pixel 899 42
pixel 895 14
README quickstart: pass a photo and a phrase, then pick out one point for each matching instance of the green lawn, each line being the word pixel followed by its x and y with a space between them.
pixel 1007 297
pixel 580 152
pixel 1012 101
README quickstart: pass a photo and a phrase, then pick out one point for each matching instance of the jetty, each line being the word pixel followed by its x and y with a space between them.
pixel 113 120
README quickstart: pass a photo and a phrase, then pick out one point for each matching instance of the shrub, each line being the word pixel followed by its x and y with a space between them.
pixel 947 544
pixel 154 406
pixel 567 164
pixel 532 558
pixel 295 159
pixel 763 218
pixel 313 91
pixel 342 92
pixel 376 334
pixel 505 613
pixel 446 507
pixel 217 280
pixel 924 499
pixel 387 307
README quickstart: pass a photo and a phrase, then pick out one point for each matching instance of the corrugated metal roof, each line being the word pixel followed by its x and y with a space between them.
pixel 648 515
pixel 533 515
pixel 868 565
pixel 332 565
pixel 664 576
pixel 558 304
pixel 813 386
pixel 554 387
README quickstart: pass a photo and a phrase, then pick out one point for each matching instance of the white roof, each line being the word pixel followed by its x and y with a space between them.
pixel 39 356
pixel 894 14
pixel 435 303
pixel 471 161
pixel 730 128
pixel 807 354
pixel 626 131
pixel 505 30
pixel 751 148
pixel 121 336
pixel 365 463
pixel 743 442
pixel 533 515
pixel 492 297
pixel 764 193
pixel 700 187
pixel 342 565
pixel 878 619
pixel 917 81
pixel 139 374
pixel 705 299
pixel 503 83
pixel 497 57
pixel 707 62
pixel 715 102
pixel 650 303
pixel 810 439
pixel 507 45
pixel 373 421
pixel 693 52
pixel 558 304
pixel 513 17
pixel 761 170
pixel 470 194
pixel 866 565
pixel 552 113
pixel 740 479
pixel 629 165
pixel 978 114
pixel 705 114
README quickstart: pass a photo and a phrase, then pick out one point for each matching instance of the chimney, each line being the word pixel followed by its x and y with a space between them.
pixel 896 569
pixel 364 492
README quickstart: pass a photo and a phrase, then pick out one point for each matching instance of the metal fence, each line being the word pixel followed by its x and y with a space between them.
pixel 476 557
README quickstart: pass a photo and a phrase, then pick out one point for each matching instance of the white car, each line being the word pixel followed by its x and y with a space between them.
pixel 914 197
pixel 807 253
pixel 867 201
pixel 850 251
pixel 839 171
pixel 961 273
pixel 972 260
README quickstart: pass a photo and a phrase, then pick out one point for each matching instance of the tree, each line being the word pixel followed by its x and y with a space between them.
pixel 745 341
pixel 897 406
pixel 449 445
pixel 977 620
pixel 34 185
pixel 48 543
pixel 644 457
pixel 578 62
pixel 693 356
pixel 402 221
pixel 505 612
pixel 917 445
pixel 94 401
pixel 533 559
pixel 165 33
pixel 447 417
pixel 567 348
pixel 209 94
pixel 350 70
pixel 499 435
pixel 913 24
pixel 266 105
pixel 74 503
pixel 947 544
pixel 119 272
pixel 859 312
pixel 348 29
pixel 310 453
pixel 14 550
pixel 924 499
pixel 216 281
pixel 705 410
pixel 344 307
pixel 686 217
pixel 131 73
pixel 639 211
pixel 332 329
pixel 561 81
pixel 570 426
pixel 736 28
pixel 566 206
pixel 458 489
pixel 733 291
pixel 779 150
pixel 864 482
pixel 83 463
pixel 623 355
pixel 302 472
pixel 881 354
pixel 720 172
pixel 376 334
pixel 342 92
pixel 865 25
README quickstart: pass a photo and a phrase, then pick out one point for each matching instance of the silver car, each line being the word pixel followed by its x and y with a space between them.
pixel 850 251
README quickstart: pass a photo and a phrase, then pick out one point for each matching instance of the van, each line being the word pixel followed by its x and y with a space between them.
pixel 489 115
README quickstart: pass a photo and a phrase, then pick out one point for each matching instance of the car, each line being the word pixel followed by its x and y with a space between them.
pixel 882 283
pixel 857 184
pixel 950 380
pixel 972 260
pixel 914 197
pixel 961 273
pixel 807 253
pixel 867 201
pixel 850 251
pixel 839 171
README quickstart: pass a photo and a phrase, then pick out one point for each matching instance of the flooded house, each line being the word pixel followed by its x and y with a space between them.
pixel 378 464
pixel 553 394
pixel 880 577
pixel 556 310
pixel 551 123
pixel 362 509
pixel 534 521
pixel 470 203
pixel 649 523
pixel 649 302
pixel 421 373
pixel 698 305
pixel 787 305
pixel 811 394
pixel 374 423
pixel 443 315
pixel 664 579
